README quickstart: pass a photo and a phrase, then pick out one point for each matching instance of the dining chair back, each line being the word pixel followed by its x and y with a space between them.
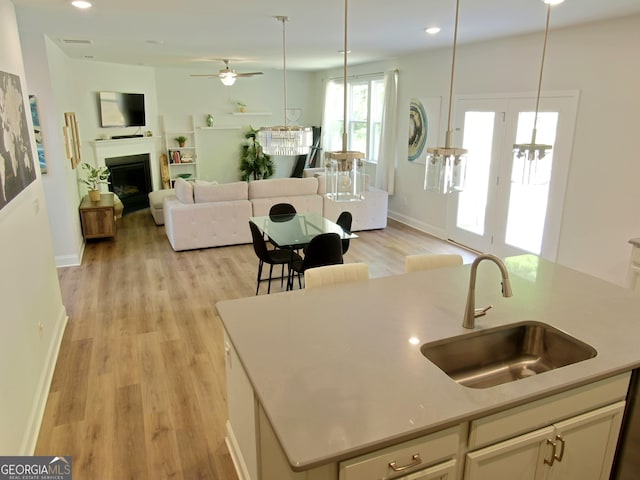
pixel 344 220
pixel 335 274
pixel 413 263
pixel 323 249
pixel 282 209
pixel 270 257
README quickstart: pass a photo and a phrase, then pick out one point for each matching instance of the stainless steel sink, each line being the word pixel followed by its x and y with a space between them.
pixel 504 354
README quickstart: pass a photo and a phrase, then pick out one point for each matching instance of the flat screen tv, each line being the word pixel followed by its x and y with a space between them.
pixel 119 109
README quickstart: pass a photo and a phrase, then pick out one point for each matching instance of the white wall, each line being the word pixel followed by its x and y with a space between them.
pixel 46 67
pixel 180 96
pixel 33 316
pixel 600 60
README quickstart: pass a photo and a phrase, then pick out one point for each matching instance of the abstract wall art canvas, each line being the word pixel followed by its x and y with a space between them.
pixel 37 131
pixel 17 168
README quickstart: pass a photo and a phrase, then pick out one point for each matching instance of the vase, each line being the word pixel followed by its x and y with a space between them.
pixel 94 195
pixel 209 120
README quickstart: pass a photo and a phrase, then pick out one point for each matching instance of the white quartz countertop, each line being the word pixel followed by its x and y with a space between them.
pixel 339 372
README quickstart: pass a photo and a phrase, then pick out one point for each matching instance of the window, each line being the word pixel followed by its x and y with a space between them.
pixel 365 99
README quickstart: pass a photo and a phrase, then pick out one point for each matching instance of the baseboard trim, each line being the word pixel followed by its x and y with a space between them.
pixel 418 225
pixel 236 454
pixel 68 260
pixel 40 401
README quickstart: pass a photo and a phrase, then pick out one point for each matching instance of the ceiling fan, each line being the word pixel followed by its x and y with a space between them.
pixel 227 75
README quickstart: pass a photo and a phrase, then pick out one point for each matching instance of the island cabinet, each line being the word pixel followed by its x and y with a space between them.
pixel 577 447
pixel 571 435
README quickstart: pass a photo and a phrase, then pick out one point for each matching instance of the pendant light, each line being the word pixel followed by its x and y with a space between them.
pixel 446 166
pixel 527 157
pixel 285 140
pixel 344 169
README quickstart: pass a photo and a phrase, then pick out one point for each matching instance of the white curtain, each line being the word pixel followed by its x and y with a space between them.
pixel 331 114
pixel 385 170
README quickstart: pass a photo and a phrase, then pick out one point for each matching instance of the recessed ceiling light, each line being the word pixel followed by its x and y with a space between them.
pixel 553 2
pixel 81 4
pixel 432 30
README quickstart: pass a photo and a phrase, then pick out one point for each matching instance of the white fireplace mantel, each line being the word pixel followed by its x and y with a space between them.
pixel 129 146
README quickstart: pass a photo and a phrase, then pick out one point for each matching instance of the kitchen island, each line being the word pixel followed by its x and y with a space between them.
pixel 321 380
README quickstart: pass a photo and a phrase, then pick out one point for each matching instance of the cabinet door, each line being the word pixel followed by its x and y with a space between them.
pixel 98 223
pixel 586 444
pixel 443 471
pixel 519 458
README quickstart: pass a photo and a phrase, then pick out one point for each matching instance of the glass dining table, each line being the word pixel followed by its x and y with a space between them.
pixel 295 231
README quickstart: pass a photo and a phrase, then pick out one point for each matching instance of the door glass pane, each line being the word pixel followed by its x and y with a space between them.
pixel 472 201
pixel 528 203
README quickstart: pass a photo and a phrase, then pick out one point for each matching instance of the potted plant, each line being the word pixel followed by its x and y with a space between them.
pixel 181 140
pixel 254 163
pixel 95 177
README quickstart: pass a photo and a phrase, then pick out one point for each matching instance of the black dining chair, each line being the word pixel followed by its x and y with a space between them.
pixel 344 220
pixel 323 249
pixel 281 209
pixel 281 212
pixel 271 257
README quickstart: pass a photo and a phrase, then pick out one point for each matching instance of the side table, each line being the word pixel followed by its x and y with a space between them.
pixel 98 218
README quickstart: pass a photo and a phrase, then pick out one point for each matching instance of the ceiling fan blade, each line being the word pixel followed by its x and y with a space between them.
pixel 204 75
pixel 248 74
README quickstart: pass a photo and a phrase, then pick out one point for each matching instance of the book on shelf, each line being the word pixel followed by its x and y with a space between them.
pixel 174 156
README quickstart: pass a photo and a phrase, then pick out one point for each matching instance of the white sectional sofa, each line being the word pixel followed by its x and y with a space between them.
pixel 368 214
pixel 203 214
pixel 207 215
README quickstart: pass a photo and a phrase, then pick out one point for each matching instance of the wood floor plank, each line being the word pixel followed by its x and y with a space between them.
pixel 139 387
pixel 129 442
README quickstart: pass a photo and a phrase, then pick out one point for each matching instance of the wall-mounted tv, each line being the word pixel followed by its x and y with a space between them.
pixel 119 109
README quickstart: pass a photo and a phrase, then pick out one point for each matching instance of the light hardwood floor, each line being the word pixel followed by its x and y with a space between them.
pixel 139 387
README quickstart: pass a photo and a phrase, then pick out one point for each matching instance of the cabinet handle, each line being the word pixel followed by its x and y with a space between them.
pixel 553 453
pixel 415 460
pixel 561 440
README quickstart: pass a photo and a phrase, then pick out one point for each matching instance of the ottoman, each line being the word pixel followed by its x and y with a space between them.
pixel 156 199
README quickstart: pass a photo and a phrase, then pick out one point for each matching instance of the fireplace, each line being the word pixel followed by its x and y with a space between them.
pixel 131 180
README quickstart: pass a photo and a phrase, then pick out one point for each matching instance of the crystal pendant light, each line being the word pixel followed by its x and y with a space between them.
pixel 285 140
pixel 344 169
pixel 446 166
pixel 527 157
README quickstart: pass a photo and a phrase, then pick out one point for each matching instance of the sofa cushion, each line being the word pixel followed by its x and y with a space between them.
pixel 220 193
pixel 184 190
pixel 283 187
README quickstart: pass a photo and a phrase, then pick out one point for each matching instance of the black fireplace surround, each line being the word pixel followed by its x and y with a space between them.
pixel 131 180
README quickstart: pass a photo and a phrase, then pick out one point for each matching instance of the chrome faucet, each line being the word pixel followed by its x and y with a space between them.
pixel 470 312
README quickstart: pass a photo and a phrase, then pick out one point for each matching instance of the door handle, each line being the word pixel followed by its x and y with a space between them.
pixel 554 445
pixel 415 460
pixel 562 443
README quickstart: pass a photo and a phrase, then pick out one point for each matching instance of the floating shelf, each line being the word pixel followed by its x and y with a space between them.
pixel 221 127
pixel 240 114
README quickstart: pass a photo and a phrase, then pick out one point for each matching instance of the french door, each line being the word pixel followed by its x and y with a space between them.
pixel 496 212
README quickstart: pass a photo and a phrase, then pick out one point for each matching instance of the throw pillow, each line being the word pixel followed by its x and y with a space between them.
pixel 184 190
